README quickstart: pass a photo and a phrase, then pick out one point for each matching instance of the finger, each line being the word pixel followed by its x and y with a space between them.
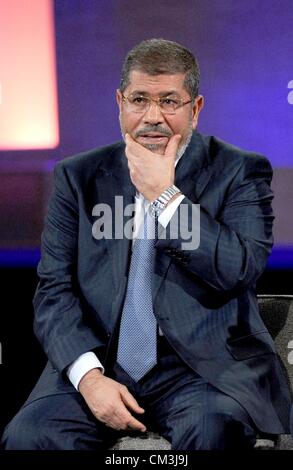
pixel 130 142
pixel 130 401
pixel 172 146
pixel 129 139
pixel 135 147
pixel 131 152
pixel 123 419
pixel 128 153
pixel 136 425
pixel 131 169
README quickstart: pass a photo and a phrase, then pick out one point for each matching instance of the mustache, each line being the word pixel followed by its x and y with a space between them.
pixel 157 128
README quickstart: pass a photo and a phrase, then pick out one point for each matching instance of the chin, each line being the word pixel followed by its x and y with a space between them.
pixel 155 148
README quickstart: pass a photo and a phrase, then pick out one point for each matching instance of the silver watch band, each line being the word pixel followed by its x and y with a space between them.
pixel 159 204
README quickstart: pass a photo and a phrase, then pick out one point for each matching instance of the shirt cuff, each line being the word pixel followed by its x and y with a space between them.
pixel 81 366
pixel 165 217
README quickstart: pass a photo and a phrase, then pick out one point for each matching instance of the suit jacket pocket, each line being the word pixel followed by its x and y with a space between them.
pixel 252 345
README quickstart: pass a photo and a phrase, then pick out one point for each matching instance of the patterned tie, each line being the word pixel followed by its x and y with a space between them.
pixel 137 345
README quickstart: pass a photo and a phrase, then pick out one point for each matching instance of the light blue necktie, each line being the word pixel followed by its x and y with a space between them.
pixel 137 344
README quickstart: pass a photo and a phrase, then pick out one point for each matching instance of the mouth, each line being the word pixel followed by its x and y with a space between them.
pixel 153 138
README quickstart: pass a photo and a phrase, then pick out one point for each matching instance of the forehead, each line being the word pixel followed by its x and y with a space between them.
pixel 156 84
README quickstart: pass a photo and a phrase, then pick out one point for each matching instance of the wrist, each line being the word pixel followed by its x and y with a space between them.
pixel 88 378
pixel 173 198
pixel 158 205
pixel 157 192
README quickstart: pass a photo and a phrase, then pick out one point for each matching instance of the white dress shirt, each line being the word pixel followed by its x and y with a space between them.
pixel 89 360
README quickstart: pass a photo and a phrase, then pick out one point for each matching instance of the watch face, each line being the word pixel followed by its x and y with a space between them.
pixel 156 208
pixel 153 211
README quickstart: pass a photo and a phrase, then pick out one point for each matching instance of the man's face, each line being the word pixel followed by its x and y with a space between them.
pixel 153 129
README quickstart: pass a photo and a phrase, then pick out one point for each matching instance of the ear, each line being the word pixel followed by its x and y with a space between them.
pixel 197 107
pixel 119 98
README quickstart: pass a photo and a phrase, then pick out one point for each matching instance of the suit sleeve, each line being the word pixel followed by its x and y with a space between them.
pixel 59 322
pixel 235 244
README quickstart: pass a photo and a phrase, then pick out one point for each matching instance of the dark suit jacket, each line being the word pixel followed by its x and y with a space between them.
pixel 204 299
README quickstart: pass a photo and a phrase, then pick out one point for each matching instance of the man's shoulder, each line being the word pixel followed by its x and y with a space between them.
pixel 92 159
pixel 224 153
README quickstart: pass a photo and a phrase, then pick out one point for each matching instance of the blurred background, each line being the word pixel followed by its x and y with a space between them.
pixel 60 64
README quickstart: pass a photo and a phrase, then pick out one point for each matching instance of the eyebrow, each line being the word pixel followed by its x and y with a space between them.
pixel 161 95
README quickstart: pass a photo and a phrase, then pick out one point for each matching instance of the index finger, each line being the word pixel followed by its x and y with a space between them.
pixel 128 420
pixel 136 425
pixel 132 144
pixel 130 401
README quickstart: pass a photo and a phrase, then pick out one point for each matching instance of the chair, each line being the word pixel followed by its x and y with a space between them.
pixel 277 314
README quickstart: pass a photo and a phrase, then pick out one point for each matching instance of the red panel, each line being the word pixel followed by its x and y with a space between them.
pixel 28 90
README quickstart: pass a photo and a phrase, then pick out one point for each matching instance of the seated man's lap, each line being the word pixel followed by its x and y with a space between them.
pixel 181 405
pixel 198 416
pixel 185 409
pixel 57 422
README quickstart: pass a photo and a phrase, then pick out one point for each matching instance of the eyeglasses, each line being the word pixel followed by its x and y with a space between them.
pixel 141 103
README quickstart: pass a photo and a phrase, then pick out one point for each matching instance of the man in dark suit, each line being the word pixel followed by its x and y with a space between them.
pixel 159 330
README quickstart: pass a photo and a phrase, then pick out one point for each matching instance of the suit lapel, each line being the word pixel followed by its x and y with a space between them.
pixel 193 171
pixel 117 191
pixel 192 176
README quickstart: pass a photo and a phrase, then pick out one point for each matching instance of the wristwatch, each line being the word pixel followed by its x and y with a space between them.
pixel 158 205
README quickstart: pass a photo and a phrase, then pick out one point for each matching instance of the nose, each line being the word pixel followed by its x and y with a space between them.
pixel 153 115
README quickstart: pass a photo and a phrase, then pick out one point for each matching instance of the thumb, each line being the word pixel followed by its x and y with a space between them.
pixel 172 146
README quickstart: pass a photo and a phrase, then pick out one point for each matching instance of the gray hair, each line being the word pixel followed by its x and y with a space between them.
pixel 159 56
